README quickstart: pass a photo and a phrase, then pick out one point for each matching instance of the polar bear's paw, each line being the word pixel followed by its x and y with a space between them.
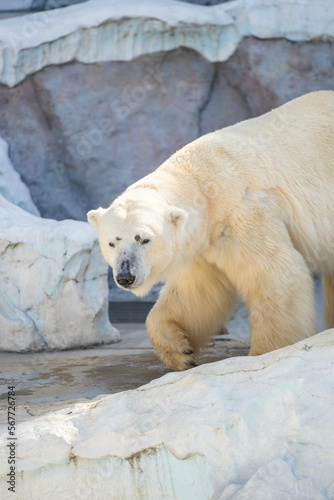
pixel 177 358
pixel 173 347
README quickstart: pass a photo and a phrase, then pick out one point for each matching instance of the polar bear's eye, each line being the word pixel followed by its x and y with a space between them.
pixel 111 244
pixel 146 240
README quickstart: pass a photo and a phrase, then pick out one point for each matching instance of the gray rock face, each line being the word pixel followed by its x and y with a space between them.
pixel 12 5
pixel 53 284
pixel 80 134
pixel 271 72
pixel 85 132
pixel 262 75
pixel 33 5
pixel 35 151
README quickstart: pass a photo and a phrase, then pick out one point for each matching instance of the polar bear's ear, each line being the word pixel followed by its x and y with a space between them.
pixel 177 216
pixel 93 217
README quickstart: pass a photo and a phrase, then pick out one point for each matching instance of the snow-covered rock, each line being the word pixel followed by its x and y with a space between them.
pixel 109 30
pixel 53 284
pixel 243 428
pixel 11 185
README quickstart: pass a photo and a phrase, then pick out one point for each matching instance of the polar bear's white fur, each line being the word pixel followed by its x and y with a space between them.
pixel 247 210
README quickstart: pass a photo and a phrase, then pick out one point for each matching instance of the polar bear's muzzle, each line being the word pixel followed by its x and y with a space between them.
pixel 125 278
pixel 130 272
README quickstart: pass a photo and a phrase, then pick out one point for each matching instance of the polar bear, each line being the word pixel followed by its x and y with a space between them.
pixel 244 211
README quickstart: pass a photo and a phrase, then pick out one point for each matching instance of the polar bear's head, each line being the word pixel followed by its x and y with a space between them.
pixel 139 235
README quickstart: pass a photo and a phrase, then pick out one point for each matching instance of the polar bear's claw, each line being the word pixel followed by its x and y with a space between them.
pixel 189 351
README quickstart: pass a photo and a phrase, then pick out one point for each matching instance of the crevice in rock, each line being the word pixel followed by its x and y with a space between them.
pixel 39 101
pixel 207 100
pixel 44 102
pixel 231 79
pixel 11 246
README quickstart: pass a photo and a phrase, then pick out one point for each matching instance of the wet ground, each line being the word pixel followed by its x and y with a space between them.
pixel 55 377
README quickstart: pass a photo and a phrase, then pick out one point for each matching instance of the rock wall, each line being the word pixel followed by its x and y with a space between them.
pixel 35 5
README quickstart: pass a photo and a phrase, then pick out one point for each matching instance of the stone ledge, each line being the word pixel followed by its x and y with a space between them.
pixel 109 30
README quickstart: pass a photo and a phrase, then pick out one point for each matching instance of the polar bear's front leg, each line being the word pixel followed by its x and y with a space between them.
pixel 191 308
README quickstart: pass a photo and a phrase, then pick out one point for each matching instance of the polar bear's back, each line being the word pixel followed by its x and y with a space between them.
pixel 288 151
pixel 301 113
pixel 293 142
pixel 310 107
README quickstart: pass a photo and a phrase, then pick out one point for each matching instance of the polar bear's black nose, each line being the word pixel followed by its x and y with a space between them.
pixel 125 279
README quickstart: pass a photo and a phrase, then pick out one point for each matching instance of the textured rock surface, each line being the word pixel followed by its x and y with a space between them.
pixel 79 134
pixel 271 73
pixel 11 185
pixel 135 28
pixel 53 286
pixel 243 428
pixel 83 133
pixel 16 5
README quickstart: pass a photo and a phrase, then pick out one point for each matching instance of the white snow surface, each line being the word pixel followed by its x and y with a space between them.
pixel 243 428
pixel 110 30
pixel 11 185
pixel 53 284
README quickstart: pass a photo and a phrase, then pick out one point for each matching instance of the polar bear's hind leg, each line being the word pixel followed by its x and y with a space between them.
pixel 328 293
